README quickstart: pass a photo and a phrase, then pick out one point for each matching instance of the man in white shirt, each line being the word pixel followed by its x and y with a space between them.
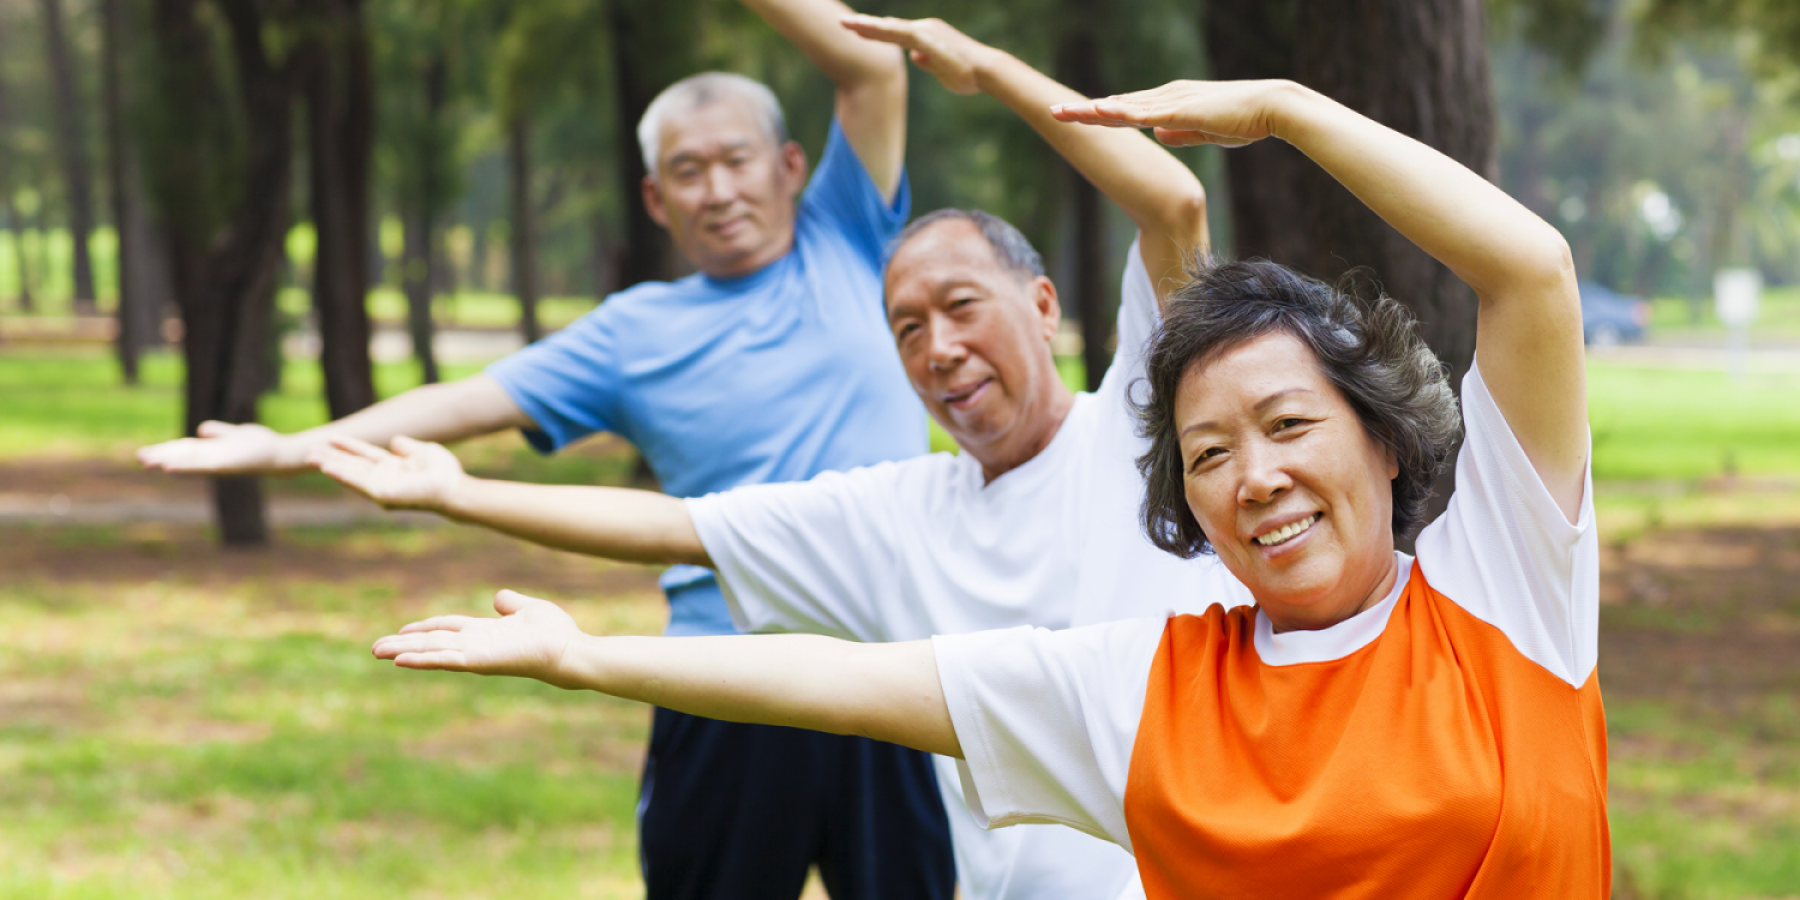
pixel 1034 523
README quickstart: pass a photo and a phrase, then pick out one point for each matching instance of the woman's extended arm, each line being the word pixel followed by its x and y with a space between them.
pixel 1160 194
pixel 1529 334
pixel 889 692
pixel 615 523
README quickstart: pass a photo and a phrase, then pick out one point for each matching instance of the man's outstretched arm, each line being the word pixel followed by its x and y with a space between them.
pixel 870 79
pixel 614 523
pixel 1160 194
pixel 889 692
pixel 438 412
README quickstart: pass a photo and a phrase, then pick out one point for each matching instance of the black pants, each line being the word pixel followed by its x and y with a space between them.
pixel 738 812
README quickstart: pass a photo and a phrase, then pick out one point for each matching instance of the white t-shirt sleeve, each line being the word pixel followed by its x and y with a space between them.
pixel 807 556
pixel 1138 317
pixel 1047 720
pixel 1505 552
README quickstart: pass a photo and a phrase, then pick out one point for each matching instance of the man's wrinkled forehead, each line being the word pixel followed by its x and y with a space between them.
pixel 939 258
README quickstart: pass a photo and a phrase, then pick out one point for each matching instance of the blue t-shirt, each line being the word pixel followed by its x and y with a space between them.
pixel 773 376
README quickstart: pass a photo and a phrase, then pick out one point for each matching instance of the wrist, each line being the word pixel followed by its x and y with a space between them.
pixel 989 65
pixel 1290 107
pixel 293 452
pixel 459 498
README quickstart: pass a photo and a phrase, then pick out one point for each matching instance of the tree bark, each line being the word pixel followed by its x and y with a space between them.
pixel 340 96
pixel 13 222
pixel 71 143
pixel 524 230
pixel 419 269
pixel 1078 66
pixel 136 310
pixel 1418 66
pixel 642 56
pixel 224 262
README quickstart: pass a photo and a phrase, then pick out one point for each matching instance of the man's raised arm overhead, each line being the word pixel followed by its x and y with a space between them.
pixel 1160 194
pixel 870 79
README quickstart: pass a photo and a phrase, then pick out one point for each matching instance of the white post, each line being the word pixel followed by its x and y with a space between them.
pixel 1736 293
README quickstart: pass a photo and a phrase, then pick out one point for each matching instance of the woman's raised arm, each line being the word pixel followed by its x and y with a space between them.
pixel 1529 325
pixel 889 692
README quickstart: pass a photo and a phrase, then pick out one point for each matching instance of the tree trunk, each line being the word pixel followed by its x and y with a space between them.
pixel 340 97
pixel 1078 66
pixel 71 145
pixel 13 222
pixel 135 325
pixel 524 231
pixel 419 268
pixel 224 263
pixel 642 58
pixel 1418 66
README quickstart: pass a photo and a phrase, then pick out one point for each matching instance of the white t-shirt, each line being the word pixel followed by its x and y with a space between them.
pixel 1047 720
pixel 907 550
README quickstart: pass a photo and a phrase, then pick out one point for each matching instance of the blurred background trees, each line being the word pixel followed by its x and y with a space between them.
pixel 261 168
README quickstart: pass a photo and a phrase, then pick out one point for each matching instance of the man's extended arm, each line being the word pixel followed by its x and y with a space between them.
pixel 615 523
pixel 870 79
pixel 437 412
pixel 1154 188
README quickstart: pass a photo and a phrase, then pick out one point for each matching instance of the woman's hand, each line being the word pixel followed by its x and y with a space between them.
pixel 931 44
pixel 416 475
pixel 1186 113
pixel 529 640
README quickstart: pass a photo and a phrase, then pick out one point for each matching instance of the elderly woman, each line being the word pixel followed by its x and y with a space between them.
pixel 1376 725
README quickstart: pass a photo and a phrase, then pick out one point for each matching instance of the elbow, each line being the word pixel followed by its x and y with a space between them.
pixel 1185 217
pixel 1547 262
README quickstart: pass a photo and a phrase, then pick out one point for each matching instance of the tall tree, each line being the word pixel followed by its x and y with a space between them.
pixel 221 168
pixel 648 55
pixel 143 278
pixel 523 213
pixel 340 102
pixel 71 143
pixel 7 206
pixel 1417 66
pixel 1078 65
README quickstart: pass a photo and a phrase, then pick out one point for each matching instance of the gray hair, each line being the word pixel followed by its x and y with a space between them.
pixel 706 88
pixel 1369 350
pixel 1014 252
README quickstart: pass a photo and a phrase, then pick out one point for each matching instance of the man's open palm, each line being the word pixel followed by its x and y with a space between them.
pixel 416 475
pixel 528 641
pixel 221 449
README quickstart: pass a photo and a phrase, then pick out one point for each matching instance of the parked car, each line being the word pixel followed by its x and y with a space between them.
pixel 1609 317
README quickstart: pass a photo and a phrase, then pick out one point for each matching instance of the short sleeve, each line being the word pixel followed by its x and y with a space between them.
pixel 843 198
pixel 1047 720
pixel 566 383
pixel 1504 551
pixel 1139 315
pixel 813 556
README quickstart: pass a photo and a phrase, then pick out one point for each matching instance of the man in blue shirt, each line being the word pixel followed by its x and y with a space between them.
pixel 772 363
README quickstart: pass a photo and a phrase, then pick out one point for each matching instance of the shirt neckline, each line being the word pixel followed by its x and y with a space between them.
pixel 1291 648
pixel 740 283
pixel 1021 473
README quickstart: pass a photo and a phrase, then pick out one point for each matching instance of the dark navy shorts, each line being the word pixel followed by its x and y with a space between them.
pixel 739 812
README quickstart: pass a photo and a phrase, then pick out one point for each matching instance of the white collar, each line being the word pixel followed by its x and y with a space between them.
pixel 1291 648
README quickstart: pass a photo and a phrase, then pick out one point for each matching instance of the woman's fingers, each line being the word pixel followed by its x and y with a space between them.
pixel 442 623
pixel 447 660
pixel 359 447
pixel 881 28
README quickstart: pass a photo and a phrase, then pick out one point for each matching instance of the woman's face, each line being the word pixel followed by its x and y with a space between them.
pixel 1293 492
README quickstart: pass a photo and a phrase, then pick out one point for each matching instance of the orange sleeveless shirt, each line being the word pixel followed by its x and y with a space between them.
pixel 1436 762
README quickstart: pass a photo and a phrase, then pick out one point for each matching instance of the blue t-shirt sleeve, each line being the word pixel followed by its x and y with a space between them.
pixel 843 198
pixel 567 383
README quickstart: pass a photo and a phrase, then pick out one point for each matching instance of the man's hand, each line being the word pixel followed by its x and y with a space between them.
pixel 416 475
pixel 931 44
pixel 1185 113
pixel 529 640
pixel 223 449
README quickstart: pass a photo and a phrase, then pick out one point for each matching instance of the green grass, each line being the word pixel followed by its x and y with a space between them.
pixel 1675 424
pixel 200 736
pixel 1777 317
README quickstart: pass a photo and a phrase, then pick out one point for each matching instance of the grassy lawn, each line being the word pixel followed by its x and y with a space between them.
pixel 179 721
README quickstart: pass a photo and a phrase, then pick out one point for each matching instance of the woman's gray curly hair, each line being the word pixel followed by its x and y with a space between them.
pixel 1369 350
